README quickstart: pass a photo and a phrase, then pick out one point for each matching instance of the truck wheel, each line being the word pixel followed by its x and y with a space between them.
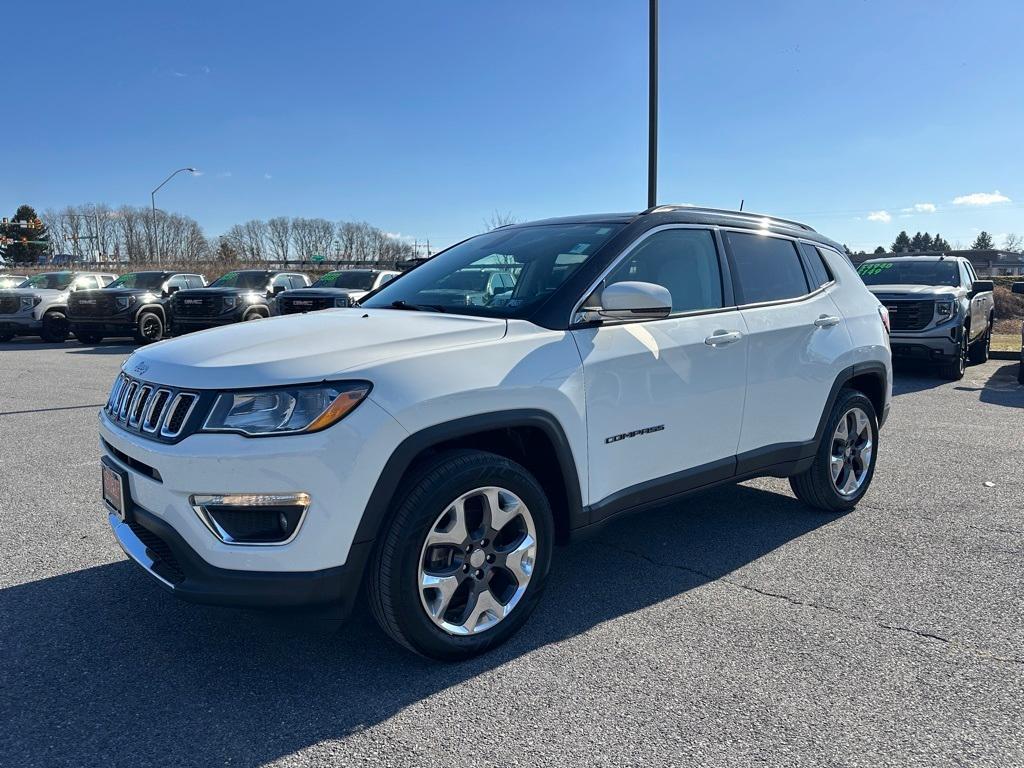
pixel 55 327
pixel 89 338
pixel 980 349
pixel 845 461
pixel 149 328
pixel 465 557
pixel 255 315
pixel 955 368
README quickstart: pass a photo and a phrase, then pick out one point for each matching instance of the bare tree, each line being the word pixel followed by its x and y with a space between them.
pixel 499 219
pixel 279 230
pixel 1013 243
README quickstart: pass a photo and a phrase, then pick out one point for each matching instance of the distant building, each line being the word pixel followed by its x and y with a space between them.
pixel 990 263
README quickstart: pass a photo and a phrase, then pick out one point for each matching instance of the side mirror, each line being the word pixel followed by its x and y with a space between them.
pixel 170 290
pixel 632 300
pixel 278 289
pixel 1017 287
pixel 981 286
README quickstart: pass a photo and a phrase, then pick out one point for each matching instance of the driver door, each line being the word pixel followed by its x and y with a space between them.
pixel 664 400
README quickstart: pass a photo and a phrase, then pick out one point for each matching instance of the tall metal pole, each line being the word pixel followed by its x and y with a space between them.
pixel 652 106
pixel 152 202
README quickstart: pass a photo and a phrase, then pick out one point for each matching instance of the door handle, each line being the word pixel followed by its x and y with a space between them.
pixel 721 338
pixel 826 321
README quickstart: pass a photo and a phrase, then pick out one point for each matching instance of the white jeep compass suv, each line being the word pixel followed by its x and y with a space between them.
pixel 435 446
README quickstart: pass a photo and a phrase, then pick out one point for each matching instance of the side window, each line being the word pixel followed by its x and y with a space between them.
pixel 683 260
pixel 194 281
pixel 106 280
pixel 280 281
pixel 818 270
pixel 86 283
pixel 177 281
pixel 966 279
pixel 765 268
pixel 298 281
pixel 385 278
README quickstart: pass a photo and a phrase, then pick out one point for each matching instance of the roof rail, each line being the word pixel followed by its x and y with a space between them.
pixel 746 215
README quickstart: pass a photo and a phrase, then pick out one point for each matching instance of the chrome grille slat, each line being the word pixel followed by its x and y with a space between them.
pixel 149 409
pixel 184 400
pixel 135 416
pixel 126 400
pixel 157 409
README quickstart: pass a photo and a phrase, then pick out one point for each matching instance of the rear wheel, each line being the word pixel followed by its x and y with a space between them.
pixel 149 328
pixel 980 349
pixel 845 461
pixel 55 327
pixel 465 558
pixel 87 337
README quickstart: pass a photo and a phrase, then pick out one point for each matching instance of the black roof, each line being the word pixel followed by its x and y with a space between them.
pixel 688 214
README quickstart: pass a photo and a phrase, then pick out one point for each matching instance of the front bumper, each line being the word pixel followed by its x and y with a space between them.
pixel 186 324
pixel 21 324
pixel 166 556
pixel 120 326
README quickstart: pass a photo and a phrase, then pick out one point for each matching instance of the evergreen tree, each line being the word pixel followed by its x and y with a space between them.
pixel 902 243
pixel 983 242
pixel 916 243
pixel 927 244
pixel 880 250
pixel 938 244
pixel 24 239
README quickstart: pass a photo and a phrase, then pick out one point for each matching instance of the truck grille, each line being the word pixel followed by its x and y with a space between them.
pixel 910 315
pixel 9 304
pixel 159 413
pixel 291 306
pixel 91 306
pixel 197 306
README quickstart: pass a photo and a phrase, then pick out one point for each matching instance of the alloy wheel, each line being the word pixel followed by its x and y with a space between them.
pixel 477 561
pixel 852 449
pixel 151 328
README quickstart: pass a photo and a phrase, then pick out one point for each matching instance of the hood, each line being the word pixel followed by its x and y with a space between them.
pixel 99 292
pixel 311 293
pixel 200 292
pixel 914 291
pixel 31 292
pixel 304 348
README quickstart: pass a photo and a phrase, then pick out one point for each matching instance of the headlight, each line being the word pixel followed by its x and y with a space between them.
pixel 252 298
pixel 27 302
pixel 946 307
pixel 123 302
pixel 286 410
pixel 229 302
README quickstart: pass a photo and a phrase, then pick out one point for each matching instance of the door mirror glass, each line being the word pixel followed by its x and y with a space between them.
pixel 980 286
pixel 1018 287
pixel 631 300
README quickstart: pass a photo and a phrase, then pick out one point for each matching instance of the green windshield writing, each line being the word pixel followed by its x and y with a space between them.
pixel 873 269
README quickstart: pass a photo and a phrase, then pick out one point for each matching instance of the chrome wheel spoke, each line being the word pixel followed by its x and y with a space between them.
pixel 852 452
pixel 502 507
pixel 485 612
pixel 519 562
pixel 437 591
pixel 450 529
pixel 836 465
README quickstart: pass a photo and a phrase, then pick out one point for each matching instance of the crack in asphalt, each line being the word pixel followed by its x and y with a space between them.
pixel 980 653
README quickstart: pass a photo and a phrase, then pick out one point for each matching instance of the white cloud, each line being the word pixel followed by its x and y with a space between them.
pixel 224 175
pixel 882 216
pixel 399 236
pixel 267 176
pixel 197 172
pixel 981 198
pixel 176 73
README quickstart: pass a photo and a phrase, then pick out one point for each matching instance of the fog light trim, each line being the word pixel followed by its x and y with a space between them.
pixel 247 501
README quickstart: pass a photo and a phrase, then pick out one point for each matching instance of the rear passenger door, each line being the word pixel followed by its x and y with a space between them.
pixel 796 339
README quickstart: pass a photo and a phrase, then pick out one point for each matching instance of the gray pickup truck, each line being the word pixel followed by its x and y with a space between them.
pixel 939 311
pixel 1018 287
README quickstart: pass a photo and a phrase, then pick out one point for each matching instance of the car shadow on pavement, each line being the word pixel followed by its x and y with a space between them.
pixel 101 666
pixel 120 348
pixel 910 377
pixel 1002 388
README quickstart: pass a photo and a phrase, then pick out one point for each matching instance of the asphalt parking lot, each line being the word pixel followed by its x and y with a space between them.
pixel 736 628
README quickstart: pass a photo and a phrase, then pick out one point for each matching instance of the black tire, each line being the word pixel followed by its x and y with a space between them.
pixel 1020 369
pixel 815 487
pixel 393 589
pixel 980 349
pixel 954 369
pixel 55 327
pixel 86 337
pixel 149 328
pixel 254 315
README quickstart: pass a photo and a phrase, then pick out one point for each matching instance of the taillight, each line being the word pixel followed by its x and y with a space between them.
pixel 884 314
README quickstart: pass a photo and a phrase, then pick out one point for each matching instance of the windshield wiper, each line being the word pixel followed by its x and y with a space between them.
pixel 403 304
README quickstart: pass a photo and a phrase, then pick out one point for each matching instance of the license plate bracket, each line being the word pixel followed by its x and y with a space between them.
pixel 114 486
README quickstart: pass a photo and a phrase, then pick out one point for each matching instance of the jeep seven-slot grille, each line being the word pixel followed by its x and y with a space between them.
pixel 910 315
pixel 9 304
pixel 149 409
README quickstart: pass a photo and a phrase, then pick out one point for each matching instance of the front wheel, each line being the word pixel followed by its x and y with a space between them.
pixel 845 461
pixel 980 349
pixel 465 557
pixel 954 369
pixel 149 328
pixel 55 327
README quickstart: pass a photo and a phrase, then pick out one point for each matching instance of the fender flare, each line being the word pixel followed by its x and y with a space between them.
pixel 873 368
pixel 157 308
pixel 384 491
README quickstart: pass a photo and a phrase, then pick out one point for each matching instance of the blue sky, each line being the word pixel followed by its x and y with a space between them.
pixel 423 118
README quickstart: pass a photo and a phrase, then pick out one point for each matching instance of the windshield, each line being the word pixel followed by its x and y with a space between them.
pixel 504 273
pixel 150 281
pixel 11 281
pixel 356 279
pixel 909 273
pixel 53 280
pixel 252 280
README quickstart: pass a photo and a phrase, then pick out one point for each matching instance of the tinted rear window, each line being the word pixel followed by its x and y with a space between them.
pixel 819 271
pixel 765 268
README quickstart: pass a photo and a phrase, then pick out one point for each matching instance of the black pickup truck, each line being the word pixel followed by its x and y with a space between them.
pixel 239 296
pixel 137 305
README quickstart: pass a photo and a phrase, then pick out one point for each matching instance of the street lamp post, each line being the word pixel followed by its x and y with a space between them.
pixel 652 109
pixel 152 201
